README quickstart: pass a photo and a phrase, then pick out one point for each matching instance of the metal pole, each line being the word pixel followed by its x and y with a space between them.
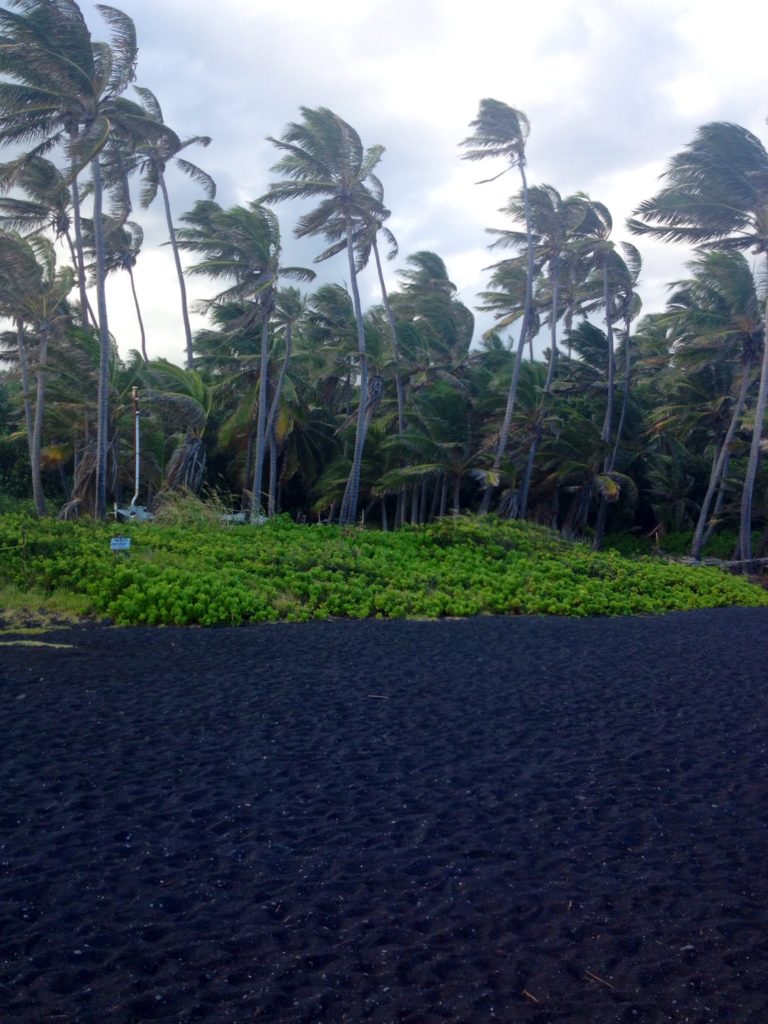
pixel 135 407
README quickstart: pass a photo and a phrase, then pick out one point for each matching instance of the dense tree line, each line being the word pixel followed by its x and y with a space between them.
pixel 300 400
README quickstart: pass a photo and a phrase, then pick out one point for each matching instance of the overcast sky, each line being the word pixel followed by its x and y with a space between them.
pixel 612 89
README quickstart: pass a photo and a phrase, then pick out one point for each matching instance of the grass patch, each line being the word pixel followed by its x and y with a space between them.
pixel 32 611
pixel 208 575
pixel 34 643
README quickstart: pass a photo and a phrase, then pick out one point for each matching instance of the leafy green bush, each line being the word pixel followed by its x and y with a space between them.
pixel 210 576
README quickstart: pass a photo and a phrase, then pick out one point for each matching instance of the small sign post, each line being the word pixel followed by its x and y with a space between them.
pixel 120 544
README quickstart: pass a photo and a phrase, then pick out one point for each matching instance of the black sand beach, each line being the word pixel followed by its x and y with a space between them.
pixel 533 820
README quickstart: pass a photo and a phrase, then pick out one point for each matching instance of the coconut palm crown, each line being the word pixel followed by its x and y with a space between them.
pixel 324 160
pixel 717 196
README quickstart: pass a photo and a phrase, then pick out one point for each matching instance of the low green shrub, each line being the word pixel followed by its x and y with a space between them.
pixel 470 566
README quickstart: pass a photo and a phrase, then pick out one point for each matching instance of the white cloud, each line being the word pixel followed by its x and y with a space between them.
pixel 612 90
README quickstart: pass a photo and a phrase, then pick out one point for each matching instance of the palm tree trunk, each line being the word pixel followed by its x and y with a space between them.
pixel 248 465
pixel 524 330
pixel 80 252
pixel 745 533
pixel 611 369
pixel 348 514
pixel 272 497
pixel 553 353
pixel 718 468
pixel 399 391
pixel 37 428
pixel 423 501
pixel 526 486
pixel 567 325
pixel 722 488
pixel 139 317
pixel 457 494
pixel 507 421
pixel 26 393
pixel 34 421
pixel 261 421
pixel 272 415
pixel 105 352
pixel 553 350
pixel 625 393
pixel 83 295
pixel 400 508
pixel 434 507
pixel 602 512
pixel 179 271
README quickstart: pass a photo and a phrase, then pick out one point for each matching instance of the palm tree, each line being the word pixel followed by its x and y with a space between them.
pixel 242 245
pixel 441 447
pixel 324 159
pixel 611 284
pixel 434 330
pixel 290 309
pixel 72 415
pixel 367 243
pixel 33 293
pixel 46 206
pixel 715 317
pixel 152 154
pixel 502 131
pixel 629 306
pixel 505 298
pixel 227 354
pixel 122 245
pixel 556 226
pixel 717 196
pixel 66 89
pixel 583 389
pixel 371 225
pixel 184 401
pixel 426 300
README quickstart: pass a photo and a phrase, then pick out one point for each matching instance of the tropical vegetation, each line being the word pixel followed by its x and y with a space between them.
pixel 455 567
pixel 296 400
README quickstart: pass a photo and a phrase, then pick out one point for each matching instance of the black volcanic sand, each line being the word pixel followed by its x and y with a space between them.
pixel 534 820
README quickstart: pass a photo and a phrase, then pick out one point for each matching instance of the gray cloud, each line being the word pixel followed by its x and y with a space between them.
pixel 597 82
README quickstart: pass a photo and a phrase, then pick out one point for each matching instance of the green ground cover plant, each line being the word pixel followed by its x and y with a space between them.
pixel 470 566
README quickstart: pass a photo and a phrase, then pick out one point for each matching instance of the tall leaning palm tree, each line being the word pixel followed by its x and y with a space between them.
pixel 325 160
pixel 370 226
pixel 242 246
pixel 716 196
pixel 290 309
pixel 555 228
pixel 615 273
pixel 502 131
pixel 61 88
pixel 152 154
